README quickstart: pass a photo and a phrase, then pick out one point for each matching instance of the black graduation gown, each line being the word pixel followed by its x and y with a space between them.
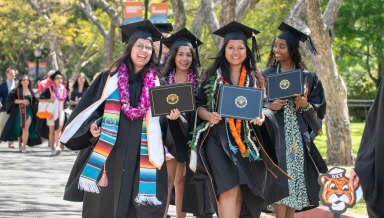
pixel 369 162
pixel 196 197
pixel 13 110
pixel 122 165
pixel 226 170
pixel 277 189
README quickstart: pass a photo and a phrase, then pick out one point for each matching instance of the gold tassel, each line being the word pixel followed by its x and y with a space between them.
pixel 294 146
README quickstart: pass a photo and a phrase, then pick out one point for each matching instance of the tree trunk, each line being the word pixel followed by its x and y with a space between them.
pixel 339 144
pixel 228 12
pixel 109 47
pixel 243 8
pixel 211 20
pixel 198 23
pixel 179 15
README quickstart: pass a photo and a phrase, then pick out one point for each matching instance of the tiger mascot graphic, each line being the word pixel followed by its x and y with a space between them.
pixel 336 192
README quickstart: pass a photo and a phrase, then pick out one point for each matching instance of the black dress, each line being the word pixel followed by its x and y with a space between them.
pixel 278 189
pixel 369 162
pixel 122 165
pixel 226 170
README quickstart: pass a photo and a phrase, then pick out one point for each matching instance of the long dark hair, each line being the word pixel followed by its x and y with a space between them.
pixel 86 83
pixel 170 64
pixel 19 83
pixel 20 87
pixel 126 58
pixel 222 63
pixel 293 51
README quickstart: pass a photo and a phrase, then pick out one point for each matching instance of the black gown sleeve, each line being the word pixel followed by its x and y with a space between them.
pixel 317 98
pixel 10 101
pixel 200 97
pixel 45 94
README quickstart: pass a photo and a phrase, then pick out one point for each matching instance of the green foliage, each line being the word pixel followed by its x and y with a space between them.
pixel 359 48
pixel 360 37
pixel 266 17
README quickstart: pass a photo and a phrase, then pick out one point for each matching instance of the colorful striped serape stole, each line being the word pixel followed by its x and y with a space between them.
pixel 107 139
pixel 147 183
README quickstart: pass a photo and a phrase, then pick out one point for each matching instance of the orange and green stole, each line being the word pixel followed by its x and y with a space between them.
pixel 96 162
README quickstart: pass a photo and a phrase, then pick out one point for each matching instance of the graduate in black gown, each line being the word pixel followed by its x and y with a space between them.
pixel 297 154
pixel 234 159
pixel 369 162
pixel 120 171
pixel 160 49
pixel 182 66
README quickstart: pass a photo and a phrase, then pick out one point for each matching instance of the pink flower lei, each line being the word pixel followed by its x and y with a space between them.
pixel 63 94
pixel 123 87
pixel 191 77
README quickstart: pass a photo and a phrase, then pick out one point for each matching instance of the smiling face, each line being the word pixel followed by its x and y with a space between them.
pixel 81 80
pixel 141 53
pixel 58 80
pixel 183 58
pixel 235 52
pixel 281 50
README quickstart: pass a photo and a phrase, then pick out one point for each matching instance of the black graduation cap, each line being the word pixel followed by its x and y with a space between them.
pixel 238 31
pixel 142 29
pixel 164 27
pixel 183 38
pixel 57 73
pixel 294 36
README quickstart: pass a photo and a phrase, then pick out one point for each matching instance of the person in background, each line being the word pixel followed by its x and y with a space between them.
pixel 165 29
pixel 21 103
pixel 5 88
pixel 78 89
pixel 56 93
pixel 70 82
pixel 369 161
pixel 44 84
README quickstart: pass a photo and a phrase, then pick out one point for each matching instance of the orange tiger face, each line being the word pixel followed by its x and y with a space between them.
pixel 337 193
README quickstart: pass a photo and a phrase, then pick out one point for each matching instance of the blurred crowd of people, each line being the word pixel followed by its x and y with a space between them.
pixel 19 105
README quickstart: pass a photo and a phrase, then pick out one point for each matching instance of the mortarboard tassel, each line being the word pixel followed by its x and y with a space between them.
pixel 197 54
pixel 255 48
pixel 160 49
pixel 311 46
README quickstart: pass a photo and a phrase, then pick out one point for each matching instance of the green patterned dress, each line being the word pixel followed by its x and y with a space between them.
pixel 298 197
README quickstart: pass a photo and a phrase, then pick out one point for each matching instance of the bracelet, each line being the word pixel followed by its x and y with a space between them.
pixel 307 108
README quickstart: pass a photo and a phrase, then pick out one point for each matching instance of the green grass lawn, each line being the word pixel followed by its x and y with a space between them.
pixel 356 133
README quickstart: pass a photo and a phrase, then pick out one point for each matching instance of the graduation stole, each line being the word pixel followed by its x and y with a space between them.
pixel 96 162
pixel 22 107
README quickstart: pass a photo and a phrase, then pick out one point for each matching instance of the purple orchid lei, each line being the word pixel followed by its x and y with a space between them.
pixel 63 94
pixel 191 77
pixel 123 87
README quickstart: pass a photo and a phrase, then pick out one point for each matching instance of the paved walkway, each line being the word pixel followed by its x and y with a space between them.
pixel 32 184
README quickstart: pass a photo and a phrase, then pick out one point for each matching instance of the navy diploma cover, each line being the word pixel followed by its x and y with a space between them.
pixel 239 102
pixel 284 85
